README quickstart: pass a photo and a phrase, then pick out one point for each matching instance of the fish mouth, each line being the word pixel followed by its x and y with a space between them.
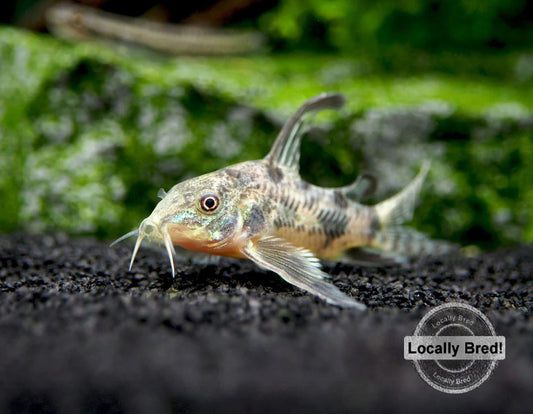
pixel 154 231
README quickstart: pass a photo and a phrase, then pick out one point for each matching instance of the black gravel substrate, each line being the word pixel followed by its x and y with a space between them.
pixel 79 333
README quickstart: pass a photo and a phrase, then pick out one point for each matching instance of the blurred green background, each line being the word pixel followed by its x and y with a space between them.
pixel 90 131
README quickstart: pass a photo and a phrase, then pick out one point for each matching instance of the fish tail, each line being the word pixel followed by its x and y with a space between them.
pixel 391 236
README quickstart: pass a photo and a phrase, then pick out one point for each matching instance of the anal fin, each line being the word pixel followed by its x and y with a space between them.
pixel 299 267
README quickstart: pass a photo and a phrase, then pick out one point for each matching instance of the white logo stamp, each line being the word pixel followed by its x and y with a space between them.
pixel 454 348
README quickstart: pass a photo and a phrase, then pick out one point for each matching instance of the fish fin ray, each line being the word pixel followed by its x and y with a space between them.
pixel 161 193
pixel 299 267
pixel 365 185
pixel 286 148
pixel 400 208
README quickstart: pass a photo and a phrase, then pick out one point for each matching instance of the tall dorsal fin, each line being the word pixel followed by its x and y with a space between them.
pixel 286 148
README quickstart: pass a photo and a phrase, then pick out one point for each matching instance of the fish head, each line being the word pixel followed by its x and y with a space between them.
pixel 200 214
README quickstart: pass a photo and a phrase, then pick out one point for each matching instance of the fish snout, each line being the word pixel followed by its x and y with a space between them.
pixel 154 230
pixel 148 228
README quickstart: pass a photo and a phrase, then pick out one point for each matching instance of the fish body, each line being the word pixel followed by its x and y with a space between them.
pixel 263 211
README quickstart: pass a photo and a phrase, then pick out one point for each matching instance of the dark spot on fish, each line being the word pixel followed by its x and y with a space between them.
pixel 333 224
pixel 309 203
pixel 291 204
pixel 254 221
pixel 223 189
pixel 245 196
pixel 323 215
pixel 266 208
pixel 187 197
pixel 304 185
pixel 233 173
pixel 331 234
pixel 274 173
pixel 339 199
pixel 375 224
pixel 284 222
pixel 329 238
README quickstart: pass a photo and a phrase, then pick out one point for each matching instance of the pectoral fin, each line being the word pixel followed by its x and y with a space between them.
pixel 299 267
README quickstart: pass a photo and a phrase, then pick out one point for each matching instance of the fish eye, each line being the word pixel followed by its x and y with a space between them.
pixel 209 203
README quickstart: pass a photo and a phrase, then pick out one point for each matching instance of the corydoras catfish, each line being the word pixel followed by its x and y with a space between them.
pixel 263 211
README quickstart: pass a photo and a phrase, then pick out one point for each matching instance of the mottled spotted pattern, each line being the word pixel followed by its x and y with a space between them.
pixel 254 220
pixel 321 219
pixel 232 173
pixel 339 199
pixel 274 174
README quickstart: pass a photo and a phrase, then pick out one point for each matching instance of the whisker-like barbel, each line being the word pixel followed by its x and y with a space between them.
pixel 136 249
pixel 152 230
pixel 170 250
pixel 124 237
